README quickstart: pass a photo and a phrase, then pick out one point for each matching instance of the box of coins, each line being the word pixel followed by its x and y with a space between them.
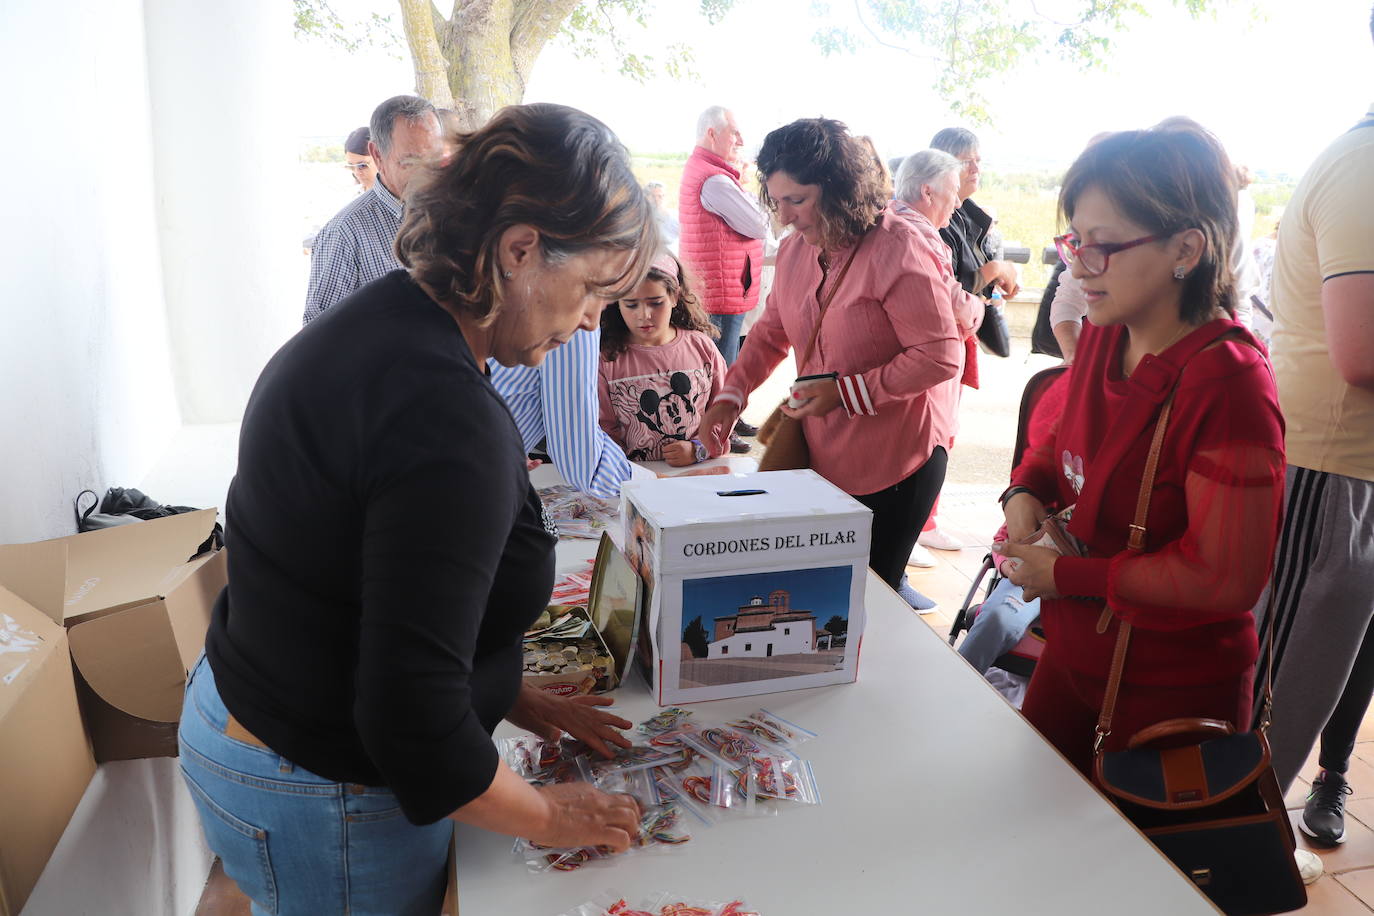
pixel 565 654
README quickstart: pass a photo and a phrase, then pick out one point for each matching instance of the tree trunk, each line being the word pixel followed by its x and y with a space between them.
pixel 491 46
pixel 431 69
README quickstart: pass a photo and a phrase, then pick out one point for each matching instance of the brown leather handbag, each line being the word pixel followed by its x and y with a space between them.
pixel 782 437
pixel 1204 795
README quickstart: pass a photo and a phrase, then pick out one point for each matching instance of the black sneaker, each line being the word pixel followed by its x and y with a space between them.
pixel 738 446
pixel 1323 817
pixel 744 429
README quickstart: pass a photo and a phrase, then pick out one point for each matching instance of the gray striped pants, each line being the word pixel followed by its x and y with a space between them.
pixel 1323 586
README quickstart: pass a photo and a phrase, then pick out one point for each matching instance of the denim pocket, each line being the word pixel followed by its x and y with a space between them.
pixel 241 846
pixel 369 817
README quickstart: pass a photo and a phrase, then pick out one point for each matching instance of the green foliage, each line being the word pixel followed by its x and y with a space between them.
pixel 837 625
pixel 316 19
pixel 598 24
pixel 1269 197
pixel 1026 205
pixel 323 153
pixel 1022 181
pixel 973 41
pixel 696 639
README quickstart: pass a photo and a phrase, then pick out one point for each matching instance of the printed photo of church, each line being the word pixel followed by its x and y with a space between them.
pixel 764 625
pixel 762 629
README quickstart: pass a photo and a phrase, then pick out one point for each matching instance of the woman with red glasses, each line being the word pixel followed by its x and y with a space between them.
pixel 1152 219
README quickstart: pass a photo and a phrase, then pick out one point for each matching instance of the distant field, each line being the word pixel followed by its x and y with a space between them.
pixel 1024 202
pixel 1024 217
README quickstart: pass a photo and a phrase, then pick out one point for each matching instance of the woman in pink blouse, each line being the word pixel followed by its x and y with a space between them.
pixel 887 340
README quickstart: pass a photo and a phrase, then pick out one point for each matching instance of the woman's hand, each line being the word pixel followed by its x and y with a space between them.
pixel 579 815
pixel 1032 568
pixel 1003 273
pixel 680 454
pixel 821 397
pixel 1024 514
pixel 716 425
pixel 548 716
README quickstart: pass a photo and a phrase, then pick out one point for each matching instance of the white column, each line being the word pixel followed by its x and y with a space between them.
pixel 86 394
pixel 224 152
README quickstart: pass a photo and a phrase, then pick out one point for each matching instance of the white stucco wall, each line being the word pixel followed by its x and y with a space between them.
pixel 148 261
pixel 86 393
pixel 801 638
pixel 224 142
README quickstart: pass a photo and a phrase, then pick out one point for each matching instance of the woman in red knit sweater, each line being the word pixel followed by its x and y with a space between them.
pixel 1152 217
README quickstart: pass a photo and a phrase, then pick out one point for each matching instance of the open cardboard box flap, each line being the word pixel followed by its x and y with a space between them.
pixel 71 577
pixel 122 656
pixel 25 637
pixel 125 657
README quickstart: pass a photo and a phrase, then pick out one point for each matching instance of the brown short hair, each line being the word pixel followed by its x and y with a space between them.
pixel 1172 177
pixel 547 166
pixel 821 151
pixel 687 313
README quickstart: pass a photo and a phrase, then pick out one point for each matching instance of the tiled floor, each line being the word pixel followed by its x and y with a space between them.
pixel 1347 887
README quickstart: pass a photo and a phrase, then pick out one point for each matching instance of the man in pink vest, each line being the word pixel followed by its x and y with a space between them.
pixel 722 232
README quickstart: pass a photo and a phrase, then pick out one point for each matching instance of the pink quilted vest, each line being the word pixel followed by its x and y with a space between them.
pixel 724 263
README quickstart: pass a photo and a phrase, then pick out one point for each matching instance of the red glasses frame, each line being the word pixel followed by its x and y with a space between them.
pixel 1070 250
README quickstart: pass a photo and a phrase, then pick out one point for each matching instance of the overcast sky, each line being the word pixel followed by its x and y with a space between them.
pixel 1275 90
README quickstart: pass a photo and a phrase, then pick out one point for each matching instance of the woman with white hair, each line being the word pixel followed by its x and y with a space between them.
pixel 668 228
pixel 926 188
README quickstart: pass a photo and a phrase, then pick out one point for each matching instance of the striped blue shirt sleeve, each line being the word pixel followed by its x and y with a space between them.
pixel 586 457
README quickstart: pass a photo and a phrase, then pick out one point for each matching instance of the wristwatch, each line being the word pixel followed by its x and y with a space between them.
pixel 700 454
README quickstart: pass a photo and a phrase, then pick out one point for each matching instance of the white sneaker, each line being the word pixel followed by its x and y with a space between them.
pixel 922 558
pixel 937 539
pixel 1309 865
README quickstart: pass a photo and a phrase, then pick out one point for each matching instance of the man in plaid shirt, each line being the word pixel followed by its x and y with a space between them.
pixel 354 248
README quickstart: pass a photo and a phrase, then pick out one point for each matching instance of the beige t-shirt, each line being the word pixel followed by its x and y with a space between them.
pixel 1327 230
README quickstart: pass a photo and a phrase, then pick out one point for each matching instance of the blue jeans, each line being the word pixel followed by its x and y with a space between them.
pixel 730 327
pixel 297 843
pixel 999 626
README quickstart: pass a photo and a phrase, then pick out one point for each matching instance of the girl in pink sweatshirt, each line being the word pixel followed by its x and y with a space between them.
pixel 659 369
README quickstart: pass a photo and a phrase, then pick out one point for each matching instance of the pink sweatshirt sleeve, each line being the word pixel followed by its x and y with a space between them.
pixel 606 413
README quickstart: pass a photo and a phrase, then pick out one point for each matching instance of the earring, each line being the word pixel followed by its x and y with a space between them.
pixel 507 274
pixel 1179 273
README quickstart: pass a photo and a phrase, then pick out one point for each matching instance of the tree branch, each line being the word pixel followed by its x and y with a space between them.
pixel 431 68
pixel 533 23
pixel 873 33
pixel 440 23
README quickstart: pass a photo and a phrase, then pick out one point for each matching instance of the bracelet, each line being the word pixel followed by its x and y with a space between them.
pixel 1009 492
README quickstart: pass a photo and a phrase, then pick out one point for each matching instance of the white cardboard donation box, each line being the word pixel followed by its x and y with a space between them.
pixel 752 584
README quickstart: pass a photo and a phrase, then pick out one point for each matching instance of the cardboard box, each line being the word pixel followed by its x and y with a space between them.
pixel 136 612
pixel 611 611
pixel 754 585
pixel 45 757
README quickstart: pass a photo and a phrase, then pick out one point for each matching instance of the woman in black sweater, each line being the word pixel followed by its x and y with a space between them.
pixel 386 550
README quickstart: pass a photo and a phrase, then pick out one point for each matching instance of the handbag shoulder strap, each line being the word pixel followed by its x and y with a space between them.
pixel 1136 543
pixel 825 303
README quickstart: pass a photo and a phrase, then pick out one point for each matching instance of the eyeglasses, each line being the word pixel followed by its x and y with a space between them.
pixel 357 166
pixel 1094 258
